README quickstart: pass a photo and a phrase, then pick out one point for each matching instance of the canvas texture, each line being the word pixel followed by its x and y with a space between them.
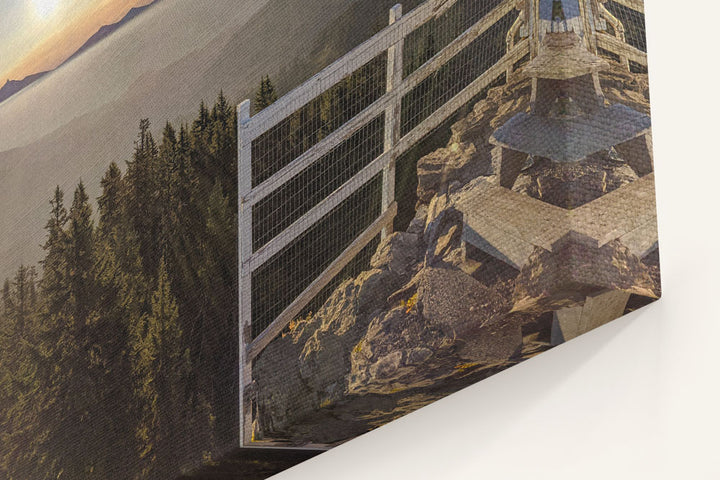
pixel 381 205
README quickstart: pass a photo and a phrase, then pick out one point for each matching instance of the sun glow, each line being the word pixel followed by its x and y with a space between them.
pixel 45 8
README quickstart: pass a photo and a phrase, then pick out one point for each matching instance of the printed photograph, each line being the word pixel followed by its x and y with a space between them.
pixel 238 233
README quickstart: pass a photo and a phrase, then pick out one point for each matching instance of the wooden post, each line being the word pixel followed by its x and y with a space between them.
pixel 245 274
pixel 510 41
pixel 589 36
pixel 392 117
pixel 618 27
pixel 534 24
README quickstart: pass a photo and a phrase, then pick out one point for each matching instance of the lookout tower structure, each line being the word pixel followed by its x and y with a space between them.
pixel 584 17
pixel 568 118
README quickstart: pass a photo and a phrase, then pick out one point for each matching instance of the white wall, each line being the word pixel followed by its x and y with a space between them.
pixel 636 399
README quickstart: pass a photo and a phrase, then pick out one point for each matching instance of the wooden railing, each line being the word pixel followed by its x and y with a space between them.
pixel 388 40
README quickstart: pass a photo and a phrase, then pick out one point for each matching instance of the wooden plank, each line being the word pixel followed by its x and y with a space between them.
pixel 512 224
pixel 270 249
pixel 342 67
pixel 643 239
pixel 618 212
pixel 394 75
pixel 294 309
pixel 261 444
pixel 620 48
pixel 244 252
pixel 596 312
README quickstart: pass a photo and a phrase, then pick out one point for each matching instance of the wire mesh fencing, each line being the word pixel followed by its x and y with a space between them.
pixel 299 222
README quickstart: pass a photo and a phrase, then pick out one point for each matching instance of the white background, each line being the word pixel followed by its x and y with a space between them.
pixel 638 398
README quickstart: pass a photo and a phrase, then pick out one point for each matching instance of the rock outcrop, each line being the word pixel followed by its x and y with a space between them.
pixel 431 314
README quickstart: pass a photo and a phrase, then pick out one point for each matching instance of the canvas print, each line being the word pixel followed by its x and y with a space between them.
pixel 237 233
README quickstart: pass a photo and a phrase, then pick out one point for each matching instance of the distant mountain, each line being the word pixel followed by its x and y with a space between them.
pixel 12 87
pixel 107 30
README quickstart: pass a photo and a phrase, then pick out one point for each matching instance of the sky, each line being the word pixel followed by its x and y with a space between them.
pixel 38 35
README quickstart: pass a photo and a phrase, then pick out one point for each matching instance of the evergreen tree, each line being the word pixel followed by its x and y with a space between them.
pixel 80 258
pixel 54 279
pixel 160 366
pixel 265 95
pixel 143 198
pixel 19 379
pixel 110 201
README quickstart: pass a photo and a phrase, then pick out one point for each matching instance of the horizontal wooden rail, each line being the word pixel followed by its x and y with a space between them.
pixel 321 148
pixel 618 47
pixel 332 74
pixel 296 307
pixel 456 46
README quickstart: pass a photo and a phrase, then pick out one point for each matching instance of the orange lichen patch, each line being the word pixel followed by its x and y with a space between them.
pixel 411 303
pixel 465 366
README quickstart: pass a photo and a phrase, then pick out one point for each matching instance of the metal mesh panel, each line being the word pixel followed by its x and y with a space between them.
pixel 434 35
pixel 456 74
pixel 279 281
pixel 637 68
pixel 289 202
pixel 609 55
pixel 293 136
pixel 634 23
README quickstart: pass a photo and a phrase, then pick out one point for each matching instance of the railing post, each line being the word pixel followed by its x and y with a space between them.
pixel 510 41
pixel 586 17
pixel 392 117
pixel 245 274
pixel 619 30
pixel 534 25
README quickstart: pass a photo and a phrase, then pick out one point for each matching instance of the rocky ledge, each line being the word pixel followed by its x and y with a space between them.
pixel 433 315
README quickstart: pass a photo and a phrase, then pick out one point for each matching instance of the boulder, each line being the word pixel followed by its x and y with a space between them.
pixel 337 327
pixel 443 233
pixel 446 319
pixel 459 162
pixel 399 253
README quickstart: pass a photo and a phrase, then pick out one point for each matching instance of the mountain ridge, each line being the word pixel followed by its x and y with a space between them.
pixel 12 87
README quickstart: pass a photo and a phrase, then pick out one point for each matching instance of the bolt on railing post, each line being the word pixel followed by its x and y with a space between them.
pixel 392 117
pixel 244 274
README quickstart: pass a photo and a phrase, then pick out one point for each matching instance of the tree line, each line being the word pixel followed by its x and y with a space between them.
pixel 117 357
